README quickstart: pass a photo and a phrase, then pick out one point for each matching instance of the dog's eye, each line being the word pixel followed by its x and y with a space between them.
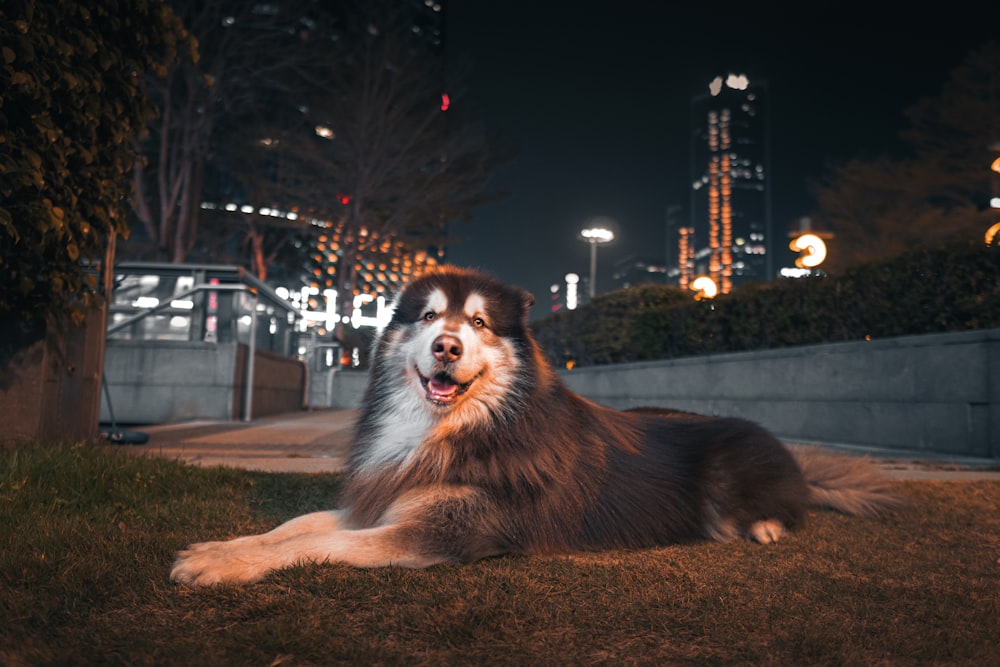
pixel 429 315
pixel 479 322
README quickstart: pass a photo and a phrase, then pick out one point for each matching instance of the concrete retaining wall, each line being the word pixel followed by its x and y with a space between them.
pixel 279 383
pixel 336 388
pixel 156 382
pixel 939 393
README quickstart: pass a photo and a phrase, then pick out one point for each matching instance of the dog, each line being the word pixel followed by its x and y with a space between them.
pixel 468 446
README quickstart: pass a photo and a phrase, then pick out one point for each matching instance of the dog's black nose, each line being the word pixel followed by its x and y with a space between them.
pixel 447 348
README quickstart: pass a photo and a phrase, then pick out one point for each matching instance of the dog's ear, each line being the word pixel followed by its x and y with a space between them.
pixel 528 299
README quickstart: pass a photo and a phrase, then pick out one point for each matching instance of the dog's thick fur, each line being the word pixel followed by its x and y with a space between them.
pixel 469 446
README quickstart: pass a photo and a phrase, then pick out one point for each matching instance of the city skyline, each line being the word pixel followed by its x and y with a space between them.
pixel 596 98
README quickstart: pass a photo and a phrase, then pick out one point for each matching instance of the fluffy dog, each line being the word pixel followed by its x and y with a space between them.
pixel 468 446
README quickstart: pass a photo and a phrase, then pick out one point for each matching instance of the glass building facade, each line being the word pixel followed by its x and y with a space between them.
pixel 729 237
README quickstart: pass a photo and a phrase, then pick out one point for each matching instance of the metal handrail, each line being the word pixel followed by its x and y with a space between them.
pixel 233 273
pixel 114 328
pixel 251 343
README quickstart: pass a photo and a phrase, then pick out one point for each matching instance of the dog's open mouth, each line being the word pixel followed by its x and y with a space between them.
pixel 442 389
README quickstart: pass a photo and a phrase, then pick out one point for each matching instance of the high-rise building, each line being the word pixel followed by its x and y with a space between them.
pixel 729 238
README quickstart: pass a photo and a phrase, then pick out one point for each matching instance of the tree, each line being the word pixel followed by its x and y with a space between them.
pixel 380 146
pixel 386 149
pixel 247 53
pixel 878 208
pixel 71 99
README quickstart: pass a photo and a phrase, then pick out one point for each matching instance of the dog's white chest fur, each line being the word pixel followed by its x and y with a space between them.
pixel 399 432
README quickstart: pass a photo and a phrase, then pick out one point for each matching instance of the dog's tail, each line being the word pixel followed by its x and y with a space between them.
pixel 846 484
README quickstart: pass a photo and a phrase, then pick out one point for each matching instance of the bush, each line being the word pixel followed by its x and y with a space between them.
pixel 602 331
pixel 928 290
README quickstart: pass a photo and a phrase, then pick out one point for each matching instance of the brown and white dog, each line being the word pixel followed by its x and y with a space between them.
pixel 470 446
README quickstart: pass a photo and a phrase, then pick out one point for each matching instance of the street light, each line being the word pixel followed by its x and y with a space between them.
pixel 597 231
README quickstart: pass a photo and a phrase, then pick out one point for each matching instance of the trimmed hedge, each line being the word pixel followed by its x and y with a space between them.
pixel 927 290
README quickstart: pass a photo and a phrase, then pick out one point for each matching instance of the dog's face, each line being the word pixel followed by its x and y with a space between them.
pixel 455 336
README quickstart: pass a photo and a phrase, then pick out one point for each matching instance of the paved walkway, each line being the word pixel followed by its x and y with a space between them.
pixel 311 442
pixel 318 441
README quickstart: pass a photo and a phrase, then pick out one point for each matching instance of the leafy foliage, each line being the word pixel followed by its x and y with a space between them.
pixel 71 98
pixel 602 331
pixel 927 290
pixel 879 207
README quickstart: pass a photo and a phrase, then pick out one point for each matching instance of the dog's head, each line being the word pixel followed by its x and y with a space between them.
pixel 456 335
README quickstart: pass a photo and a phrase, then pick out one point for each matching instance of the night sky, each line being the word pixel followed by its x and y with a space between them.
pixel 595 97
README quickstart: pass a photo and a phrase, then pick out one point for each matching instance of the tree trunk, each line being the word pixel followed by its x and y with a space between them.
pixel 51 389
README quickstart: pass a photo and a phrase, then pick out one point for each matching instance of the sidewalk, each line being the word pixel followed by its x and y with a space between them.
pixel 308 442
pixel 318 441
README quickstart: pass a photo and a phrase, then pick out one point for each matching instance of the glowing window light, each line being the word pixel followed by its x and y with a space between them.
pixel 813 248
pixel 146 302
pixel 572 280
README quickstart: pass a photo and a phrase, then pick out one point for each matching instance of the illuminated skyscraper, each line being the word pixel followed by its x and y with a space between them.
pixel 730 237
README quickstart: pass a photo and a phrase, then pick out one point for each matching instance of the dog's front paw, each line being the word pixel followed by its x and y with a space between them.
pixel 215 563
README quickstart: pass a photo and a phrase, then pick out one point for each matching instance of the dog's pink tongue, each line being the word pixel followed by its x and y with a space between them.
pixel 442 388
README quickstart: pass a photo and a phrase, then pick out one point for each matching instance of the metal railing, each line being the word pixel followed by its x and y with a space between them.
pixel 138 279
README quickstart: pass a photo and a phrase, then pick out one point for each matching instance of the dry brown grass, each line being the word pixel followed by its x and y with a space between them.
pixel 83 581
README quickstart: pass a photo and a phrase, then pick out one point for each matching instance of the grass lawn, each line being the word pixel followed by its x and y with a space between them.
pixel 87 536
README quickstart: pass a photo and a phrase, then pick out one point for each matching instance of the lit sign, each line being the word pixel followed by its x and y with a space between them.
pixel 359 319
pixel 734 81
pixel 813 249
pixel 362 314
pixel 705 288
pixel 991 233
